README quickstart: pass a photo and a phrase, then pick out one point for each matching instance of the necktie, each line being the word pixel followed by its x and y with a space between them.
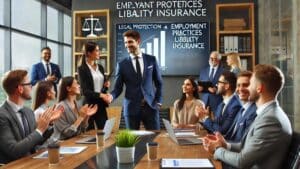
pixel 138 68
pixel 211 76
pixel 25 123
pixel 239 118
pixel 222 108
pixel 48 69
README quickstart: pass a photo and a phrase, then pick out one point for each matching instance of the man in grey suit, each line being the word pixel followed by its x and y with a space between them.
pixel 19 133
pixel 266 144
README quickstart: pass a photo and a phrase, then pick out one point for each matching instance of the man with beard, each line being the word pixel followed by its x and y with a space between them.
pixel 226 111
pixel 19 132
pixel 269 136
pixel 140 74
pixel 211 73
pixel 45 70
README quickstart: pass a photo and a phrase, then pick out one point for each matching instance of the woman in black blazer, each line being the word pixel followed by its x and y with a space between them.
pixel 93 83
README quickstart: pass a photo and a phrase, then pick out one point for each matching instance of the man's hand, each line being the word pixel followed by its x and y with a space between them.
pixel 212 142
pixel 201 112
pixel 44 120
pixel 51 78
pixel 106 97
pixel 212 90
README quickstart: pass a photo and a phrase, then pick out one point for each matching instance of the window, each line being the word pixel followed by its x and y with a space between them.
pixel 67 29
pixel 67 61
pixel 26 15
pixel 54 52
pixel 2 50
pixel 2 12
pixel 24 54
pixel 52 23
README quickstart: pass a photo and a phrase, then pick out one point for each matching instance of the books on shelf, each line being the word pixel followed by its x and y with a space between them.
pixel 237 44
pixel 234 24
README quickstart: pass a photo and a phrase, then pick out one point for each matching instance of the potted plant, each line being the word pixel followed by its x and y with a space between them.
pixel 125 146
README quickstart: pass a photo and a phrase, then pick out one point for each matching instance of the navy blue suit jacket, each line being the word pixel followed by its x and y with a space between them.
pixel 223 122
pixel 210 99
pixel 149 89
pixel 243 123
pixel 38 73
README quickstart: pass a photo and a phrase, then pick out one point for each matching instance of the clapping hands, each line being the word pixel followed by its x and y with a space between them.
pixel 212 142
pixel 88 110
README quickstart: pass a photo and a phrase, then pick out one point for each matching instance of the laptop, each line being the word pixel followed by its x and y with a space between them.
pixel 108 127
pixel 181 140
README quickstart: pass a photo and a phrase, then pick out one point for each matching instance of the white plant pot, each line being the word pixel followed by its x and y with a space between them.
pixel 125 154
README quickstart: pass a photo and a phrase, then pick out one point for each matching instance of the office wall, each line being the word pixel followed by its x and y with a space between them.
pixel 172 84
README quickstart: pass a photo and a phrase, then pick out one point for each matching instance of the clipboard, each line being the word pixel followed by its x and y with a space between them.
pixel 205 85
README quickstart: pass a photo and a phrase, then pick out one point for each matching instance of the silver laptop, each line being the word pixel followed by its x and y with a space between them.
pixel 180 141
pixel 108 127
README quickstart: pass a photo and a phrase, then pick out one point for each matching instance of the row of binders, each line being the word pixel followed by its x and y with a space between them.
pixel 236 44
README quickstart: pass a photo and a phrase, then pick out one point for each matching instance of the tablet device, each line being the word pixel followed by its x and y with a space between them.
pixel 205 85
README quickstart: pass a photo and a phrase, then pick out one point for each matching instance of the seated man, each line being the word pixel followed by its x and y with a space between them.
pixel 226 111
pixel 19 133
pixel 247 113
pixel 267 142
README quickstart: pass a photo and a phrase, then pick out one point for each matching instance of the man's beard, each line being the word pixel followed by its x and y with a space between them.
pixel 26 97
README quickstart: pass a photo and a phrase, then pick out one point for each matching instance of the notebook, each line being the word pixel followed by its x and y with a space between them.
pixel 181 140
pixel 108 127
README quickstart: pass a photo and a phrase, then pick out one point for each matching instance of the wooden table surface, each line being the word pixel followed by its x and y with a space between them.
pixel 167 149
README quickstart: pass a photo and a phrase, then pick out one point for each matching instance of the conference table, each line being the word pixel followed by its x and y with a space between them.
pixel 105 157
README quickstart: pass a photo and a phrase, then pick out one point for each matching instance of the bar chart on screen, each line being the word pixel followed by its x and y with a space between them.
pixel 179 48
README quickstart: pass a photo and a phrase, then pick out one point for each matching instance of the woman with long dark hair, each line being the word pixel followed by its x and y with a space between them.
pixel 93 83
pixel 44 94
pixel 184 108
pixel 74 120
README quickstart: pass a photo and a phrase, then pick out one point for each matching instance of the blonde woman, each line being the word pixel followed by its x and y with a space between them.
pixel 233 60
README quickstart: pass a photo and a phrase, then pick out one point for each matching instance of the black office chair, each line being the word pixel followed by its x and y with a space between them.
pixel 293 159
pixel 164 113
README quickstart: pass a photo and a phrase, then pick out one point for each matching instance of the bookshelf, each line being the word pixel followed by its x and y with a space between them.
pixel 91 25
pixel 235 32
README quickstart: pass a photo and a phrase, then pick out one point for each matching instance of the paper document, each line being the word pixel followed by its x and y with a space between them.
pixel 186 163
pixel 185 134
pixel 64 150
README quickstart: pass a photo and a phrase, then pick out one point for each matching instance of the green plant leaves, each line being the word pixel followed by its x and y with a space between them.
pixel 125 138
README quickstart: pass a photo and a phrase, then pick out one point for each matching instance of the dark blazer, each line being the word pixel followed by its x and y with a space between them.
pixel 91 97
pixel 210 99
pixel 149 89
pixel 12 143
pixel 38 73
pixel 223 122
pixel 243 124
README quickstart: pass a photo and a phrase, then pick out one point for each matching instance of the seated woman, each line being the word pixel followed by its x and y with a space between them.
pixel 234 61
pixel 74 120
pixel 44 94
pixel 184 108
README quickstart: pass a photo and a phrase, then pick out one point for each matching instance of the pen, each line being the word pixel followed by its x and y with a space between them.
pixel 175 163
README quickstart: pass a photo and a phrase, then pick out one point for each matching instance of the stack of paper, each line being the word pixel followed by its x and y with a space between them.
pixel 186 163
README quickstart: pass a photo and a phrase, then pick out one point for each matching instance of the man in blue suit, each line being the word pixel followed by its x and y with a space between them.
pixel 211 73
pixel 226 111
pixel 268 139
pixel 141 75
pixel 247 113
pixel 45 70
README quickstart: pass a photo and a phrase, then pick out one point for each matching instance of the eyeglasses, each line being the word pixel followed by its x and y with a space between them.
pixel 214 59
pixel 222 82
pixel 26 84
